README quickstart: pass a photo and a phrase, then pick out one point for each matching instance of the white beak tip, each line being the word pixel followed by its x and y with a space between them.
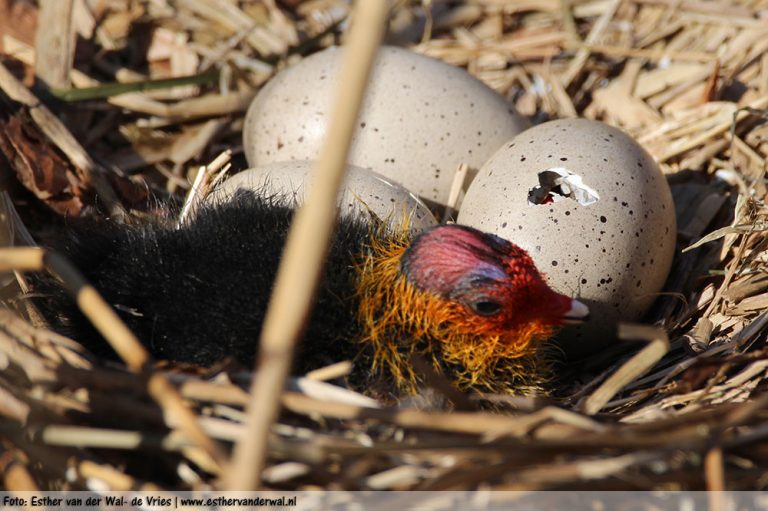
pixel 578 313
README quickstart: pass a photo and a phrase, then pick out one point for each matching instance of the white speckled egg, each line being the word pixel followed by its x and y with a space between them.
pixel 594 211
pixel 420 120
pixel 363 191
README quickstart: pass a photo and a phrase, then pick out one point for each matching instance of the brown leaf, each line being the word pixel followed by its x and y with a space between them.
pixel 37 163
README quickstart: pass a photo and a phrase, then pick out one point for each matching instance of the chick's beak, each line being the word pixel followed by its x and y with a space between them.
pixel 577 314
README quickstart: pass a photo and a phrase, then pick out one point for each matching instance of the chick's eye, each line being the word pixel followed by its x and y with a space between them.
pixel 485 307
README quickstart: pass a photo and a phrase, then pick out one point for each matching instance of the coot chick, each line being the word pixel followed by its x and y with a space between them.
pixel 471 303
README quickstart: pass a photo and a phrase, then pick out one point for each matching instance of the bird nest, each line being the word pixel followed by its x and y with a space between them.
pixel 682 407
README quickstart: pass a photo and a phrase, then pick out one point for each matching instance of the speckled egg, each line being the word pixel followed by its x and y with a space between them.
pixel 594 211
pixel 364 191
pixel 420 120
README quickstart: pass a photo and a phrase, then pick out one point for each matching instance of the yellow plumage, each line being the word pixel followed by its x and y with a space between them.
pixel 401 321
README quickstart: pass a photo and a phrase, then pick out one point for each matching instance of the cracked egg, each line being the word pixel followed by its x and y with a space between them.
pixel 594 211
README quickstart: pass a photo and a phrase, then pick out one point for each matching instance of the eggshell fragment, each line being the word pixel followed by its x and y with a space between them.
pixel 421 118
pixel 594 211
pixel 364 192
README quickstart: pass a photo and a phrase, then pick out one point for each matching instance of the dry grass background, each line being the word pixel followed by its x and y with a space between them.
pixel 162 88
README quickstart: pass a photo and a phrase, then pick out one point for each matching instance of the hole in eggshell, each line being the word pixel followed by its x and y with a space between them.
pixel 559 183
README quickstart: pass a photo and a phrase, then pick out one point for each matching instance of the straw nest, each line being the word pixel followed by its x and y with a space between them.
pixel 681 409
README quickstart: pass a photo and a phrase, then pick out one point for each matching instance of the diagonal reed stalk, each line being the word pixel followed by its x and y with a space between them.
pixel 305 249
pixel 119 336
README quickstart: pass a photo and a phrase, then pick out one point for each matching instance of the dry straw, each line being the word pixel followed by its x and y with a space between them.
pixel 688 79
pixel 638 365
